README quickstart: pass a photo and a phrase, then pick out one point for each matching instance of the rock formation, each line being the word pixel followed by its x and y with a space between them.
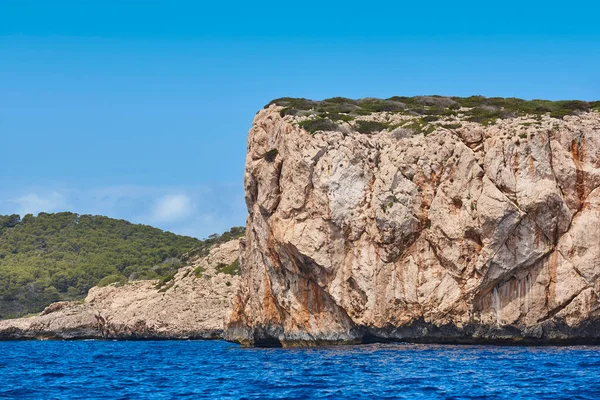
pixel 191 306
pixel 427 229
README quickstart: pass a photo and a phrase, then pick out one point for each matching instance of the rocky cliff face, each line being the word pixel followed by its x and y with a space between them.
pixel 191 306
pixel 456 231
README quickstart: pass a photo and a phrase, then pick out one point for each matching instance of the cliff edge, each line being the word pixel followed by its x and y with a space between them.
pixel 421 219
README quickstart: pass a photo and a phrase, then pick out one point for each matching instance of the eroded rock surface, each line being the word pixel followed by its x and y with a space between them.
pixel 188 307
pixel 466 234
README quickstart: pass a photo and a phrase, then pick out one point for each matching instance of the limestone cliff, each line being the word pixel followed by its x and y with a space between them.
pixel 191 306
pixel 451 228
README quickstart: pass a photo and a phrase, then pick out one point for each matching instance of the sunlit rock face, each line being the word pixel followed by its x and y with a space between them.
pixel 463 232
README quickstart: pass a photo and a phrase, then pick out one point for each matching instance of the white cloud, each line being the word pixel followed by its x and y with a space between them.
pixel 33 203
pixel 172 207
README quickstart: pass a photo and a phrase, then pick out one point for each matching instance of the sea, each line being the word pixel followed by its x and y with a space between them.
pixel 222 370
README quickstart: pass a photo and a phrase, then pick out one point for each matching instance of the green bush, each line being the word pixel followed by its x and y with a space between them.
pixel 293 105
pixel 563 108
pixel 378 105
pixel 337 117
pixel 110 279
pixel 318 124
pixel 471 101
pixel 419 126
pixel 165 280
pixel 339 108
pixel 451 125
pixel 557 109
pixel 339 100
pixel 363 126
pixel 167 287
pixel 199 271
pixel 231 269
pixel 486 116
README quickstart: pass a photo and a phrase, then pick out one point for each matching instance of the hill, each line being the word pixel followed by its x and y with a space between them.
pixel 54 257
pixel 193 304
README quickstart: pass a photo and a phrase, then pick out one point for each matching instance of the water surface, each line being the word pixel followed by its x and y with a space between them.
pixel 217 369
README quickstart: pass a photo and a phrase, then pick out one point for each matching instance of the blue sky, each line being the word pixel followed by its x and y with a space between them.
pixel 140 109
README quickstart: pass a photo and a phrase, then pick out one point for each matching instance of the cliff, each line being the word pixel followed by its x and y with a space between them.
pixel 421 219
pixel 192 305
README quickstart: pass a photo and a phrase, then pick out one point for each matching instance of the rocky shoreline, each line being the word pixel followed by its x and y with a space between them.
pixel 193 305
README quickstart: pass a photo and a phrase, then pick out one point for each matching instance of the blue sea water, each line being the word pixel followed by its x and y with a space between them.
pixel 217 369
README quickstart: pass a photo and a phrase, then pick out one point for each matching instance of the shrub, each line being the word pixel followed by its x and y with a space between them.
pixel 370 126
pixel 165 280
pixel 419 126
pixel 377 105
pixel 338 105
pixel 436 101
pixel 292 105
pixel 340 100
pixel 110 279
pixel 451 125
pixel 471 101
pixel 486 115
pixel 231 269
pixel 338 117
pixel 511 105
pixel 563 108
pixel 482 109
pixel 199 271
pixel 167 287
pixel 318 124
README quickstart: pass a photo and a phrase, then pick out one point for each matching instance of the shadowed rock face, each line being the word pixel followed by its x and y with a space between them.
pixel 466 234
pixel 188 307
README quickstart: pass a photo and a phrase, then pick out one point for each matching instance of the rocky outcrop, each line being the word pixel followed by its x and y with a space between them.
pixel 461 232
pixel 191 306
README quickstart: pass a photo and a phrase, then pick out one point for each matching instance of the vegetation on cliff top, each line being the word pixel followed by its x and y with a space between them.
pixel 60 256
pixel 326 115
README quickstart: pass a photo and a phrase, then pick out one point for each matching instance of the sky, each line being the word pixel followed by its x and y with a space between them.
pixel 140 109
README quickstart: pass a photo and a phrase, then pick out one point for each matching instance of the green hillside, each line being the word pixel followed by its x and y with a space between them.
pixel 60 256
